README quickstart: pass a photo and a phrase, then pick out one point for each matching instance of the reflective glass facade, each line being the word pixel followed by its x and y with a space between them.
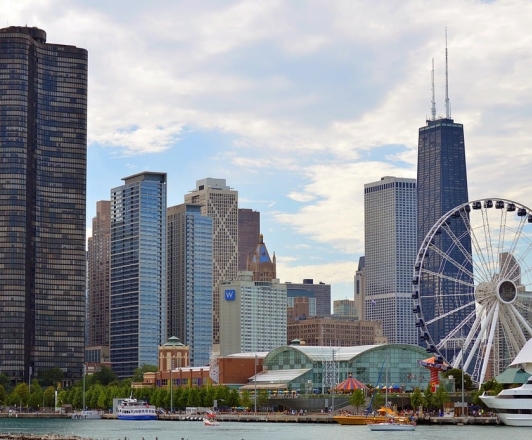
pixel 390 244
pixel 442 186
pixel 190 280
pixel 43 158
pixel 366 363
pixel 138 272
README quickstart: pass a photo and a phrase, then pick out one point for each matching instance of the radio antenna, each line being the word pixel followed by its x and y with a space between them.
pixel 447 106
pixel 433 108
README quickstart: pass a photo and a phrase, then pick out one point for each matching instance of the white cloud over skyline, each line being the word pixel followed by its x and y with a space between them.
pixel 297 104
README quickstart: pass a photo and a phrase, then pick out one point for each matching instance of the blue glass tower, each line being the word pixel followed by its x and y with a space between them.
pixel 138 272
pixel 190 246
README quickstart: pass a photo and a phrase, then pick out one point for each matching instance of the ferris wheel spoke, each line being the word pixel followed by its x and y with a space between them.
pixel 446 257
pixel 482 265
pixel 525 273
pixel 508 267
pixel 450 313
pixel 489 345
pixel 487 238
pixel 458 329
pixel 513 332
pixel 478 337
pixel 447 277
pixel 521 319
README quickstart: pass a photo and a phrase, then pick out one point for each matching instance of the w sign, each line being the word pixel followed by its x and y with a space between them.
pixel 230 295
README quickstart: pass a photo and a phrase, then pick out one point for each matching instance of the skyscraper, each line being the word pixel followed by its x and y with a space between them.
pixel 248 236
pixel 322 293
pixel 43 161
pixel 390 245
pixel 190 280
pixel 263 267
pixel 99 264
pixel 442 186
pixel 138 272
pixel 220 202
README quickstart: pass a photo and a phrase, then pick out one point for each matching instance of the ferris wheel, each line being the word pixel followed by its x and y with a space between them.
pixel 472 286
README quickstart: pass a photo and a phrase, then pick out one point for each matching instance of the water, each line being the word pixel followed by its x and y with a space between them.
pixel 167 430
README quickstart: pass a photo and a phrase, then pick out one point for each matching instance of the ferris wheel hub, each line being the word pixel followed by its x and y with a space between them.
pixel 507 291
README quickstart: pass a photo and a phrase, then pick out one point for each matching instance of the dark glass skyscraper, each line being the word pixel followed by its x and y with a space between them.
pixel 442 186
pixel 43 157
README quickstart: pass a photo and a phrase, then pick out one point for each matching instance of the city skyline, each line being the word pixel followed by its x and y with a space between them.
pixel 295 107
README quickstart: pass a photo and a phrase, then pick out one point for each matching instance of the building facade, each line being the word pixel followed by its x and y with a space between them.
pixel 263 267
pixel 43 151
pixel 248 236
pixel 138 272
pixel 252 315
pixel 345 308
pixel 442 186
pixel 390 245
pixel 360 288
pixel 322 293
pixel 189 275
pixel 219 202
pixel 336 331
pixel 99 265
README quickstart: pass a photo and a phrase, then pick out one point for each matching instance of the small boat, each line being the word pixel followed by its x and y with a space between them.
pixel 87 414
pixel 210 420
pixel 133 409
pixel 392 426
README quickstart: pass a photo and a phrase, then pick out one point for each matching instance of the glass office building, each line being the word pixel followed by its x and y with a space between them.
pixel 390 244
pixel 138 272
pixel 190 280
pixel 442 186
pixel 43 161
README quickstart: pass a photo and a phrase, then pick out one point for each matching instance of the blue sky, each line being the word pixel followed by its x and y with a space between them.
pixel 296 104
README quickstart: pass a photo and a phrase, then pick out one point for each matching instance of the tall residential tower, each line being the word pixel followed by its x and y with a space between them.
pixel 138 272
pixel 390 244
pixel 43 162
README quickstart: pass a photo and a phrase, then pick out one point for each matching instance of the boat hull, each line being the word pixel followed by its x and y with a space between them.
pixel 511 412
pixel 391 427
pixel 358 420
pixel 85 415
pixel 137 417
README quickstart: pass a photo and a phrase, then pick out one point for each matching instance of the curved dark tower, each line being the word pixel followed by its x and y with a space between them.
pixel 43 162
pixel 441 186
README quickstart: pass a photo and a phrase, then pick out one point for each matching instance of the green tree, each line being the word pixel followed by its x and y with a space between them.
pixel 357 399
pixel 491 387
pixel 262 398
pixel 245 399
pixel 36 393
pixel 2 395
pixel 53 377
pixel 104 376
pixel 456 373
pixel 22 391
pixel 103 401
pixel 49 397
pixel 428 398
pixel 378 399
pixel 4 380
pixel 138 375
pixel 233 398
pixel 441 397
pixel 416 399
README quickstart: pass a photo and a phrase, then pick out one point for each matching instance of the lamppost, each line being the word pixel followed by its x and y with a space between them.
pixel 255 379
pixel 171 388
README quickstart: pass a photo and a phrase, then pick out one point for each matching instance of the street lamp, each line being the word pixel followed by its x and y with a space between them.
pixel 256 360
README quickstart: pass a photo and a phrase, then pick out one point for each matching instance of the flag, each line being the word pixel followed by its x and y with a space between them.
pixel 373 302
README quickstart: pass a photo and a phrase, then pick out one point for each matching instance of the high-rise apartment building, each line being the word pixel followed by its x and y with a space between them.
pixel 189 274
pixel 252 315
pixel 248 236
pixel 390 245
pixel 43 161
pixel 138 272
pixel 219 202
pixel 99 266
pixel 322 294
pixel 442 186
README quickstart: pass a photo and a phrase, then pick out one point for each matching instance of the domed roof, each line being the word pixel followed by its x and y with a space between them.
pixel 173 341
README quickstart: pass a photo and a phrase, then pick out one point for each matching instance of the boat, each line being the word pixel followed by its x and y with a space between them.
pixel 392 425
pixel 382 415
pixel 210 420
pixel 513 406
pixel 133 409
pixel 87 414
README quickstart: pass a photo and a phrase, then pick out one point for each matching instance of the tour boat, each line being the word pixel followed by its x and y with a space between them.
pixel 513 406
pixel 132 409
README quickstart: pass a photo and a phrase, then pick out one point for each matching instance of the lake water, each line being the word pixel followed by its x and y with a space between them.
pixel 167 430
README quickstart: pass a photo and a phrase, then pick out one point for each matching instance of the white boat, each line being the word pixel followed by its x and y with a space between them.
pixel 514 406
pixel 392 426
pixel 132 409
pixel 210 422
pixel 87 414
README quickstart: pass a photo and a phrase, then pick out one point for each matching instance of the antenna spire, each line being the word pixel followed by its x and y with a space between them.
pixel 447 107
pixel 433 108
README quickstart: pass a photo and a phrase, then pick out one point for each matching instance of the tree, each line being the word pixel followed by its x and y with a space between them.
pixel 53 376
pixel 456 373
pixel 138 375
pixel 378 399
pixel 416 399
pixel 49 396
pixel 491 387
pixel 2 394
pixel 21 390
pixel 357 398
pixel 104 376
pixel 4 380
pixel 441 397
pixel 246 399
pixel 428 398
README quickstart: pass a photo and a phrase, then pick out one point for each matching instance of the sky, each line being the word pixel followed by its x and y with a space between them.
pixel 297 104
